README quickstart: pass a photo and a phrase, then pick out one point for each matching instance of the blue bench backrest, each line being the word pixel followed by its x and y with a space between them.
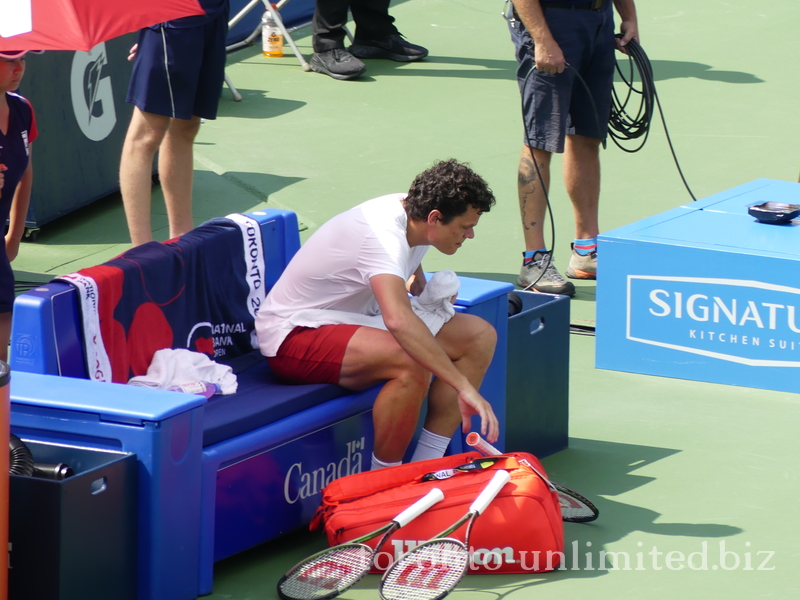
pixel 46 334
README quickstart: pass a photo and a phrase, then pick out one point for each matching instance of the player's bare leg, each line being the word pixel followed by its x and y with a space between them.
pixel 470 342
pixel 372 356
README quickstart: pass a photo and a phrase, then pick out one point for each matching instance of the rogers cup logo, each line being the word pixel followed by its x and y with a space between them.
pixel 745 322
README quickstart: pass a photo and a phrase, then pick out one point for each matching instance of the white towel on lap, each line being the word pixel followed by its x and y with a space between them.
pixel 176 367
pixel 433 306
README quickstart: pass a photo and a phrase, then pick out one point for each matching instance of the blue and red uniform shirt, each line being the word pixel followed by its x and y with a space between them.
pixel 15 147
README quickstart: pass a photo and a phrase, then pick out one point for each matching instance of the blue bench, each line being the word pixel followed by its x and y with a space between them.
pixel 215 477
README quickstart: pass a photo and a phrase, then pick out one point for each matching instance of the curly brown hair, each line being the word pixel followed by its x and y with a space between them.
pixel 451 188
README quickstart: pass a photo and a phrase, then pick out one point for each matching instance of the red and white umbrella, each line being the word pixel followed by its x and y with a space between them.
pixel 81 24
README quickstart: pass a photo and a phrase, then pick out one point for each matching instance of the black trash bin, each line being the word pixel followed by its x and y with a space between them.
pixel 537 380
pixel 75 537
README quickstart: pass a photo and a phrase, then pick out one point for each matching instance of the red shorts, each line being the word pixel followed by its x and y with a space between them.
pixel 310 355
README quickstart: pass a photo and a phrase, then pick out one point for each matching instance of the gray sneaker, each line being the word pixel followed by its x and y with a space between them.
pixel 338 63
pixel 582 266
pixel 541 275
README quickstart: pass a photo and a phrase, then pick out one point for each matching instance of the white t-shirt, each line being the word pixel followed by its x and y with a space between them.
pixel 333 268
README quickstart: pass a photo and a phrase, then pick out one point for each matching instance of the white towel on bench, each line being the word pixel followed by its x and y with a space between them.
pixel 433 306
pixel 176 367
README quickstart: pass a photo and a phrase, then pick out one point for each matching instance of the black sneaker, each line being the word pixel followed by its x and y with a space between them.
pixel 338 63
pixel 394 47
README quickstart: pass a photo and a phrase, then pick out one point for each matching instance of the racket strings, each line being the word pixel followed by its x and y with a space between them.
pixel 327 574
pixel 428 572
pixel 574 507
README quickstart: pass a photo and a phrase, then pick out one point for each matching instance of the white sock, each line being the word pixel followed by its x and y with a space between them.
pixel 379 464
pixel 430 445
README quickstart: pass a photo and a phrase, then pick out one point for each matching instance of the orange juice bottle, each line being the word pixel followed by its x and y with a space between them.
pixel 271 36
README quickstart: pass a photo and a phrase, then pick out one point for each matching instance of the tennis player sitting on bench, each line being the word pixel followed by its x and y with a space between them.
pixel 365 261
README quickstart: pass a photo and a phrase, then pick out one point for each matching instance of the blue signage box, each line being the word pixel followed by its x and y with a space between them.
pixel 705 292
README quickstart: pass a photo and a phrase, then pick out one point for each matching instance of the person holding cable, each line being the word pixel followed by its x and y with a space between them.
pixel 177 79
pixel 17 132
pixel 365 262
pixel 565 55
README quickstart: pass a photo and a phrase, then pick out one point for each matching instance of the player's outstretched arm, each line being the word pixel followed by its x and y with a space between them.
pixel 414 337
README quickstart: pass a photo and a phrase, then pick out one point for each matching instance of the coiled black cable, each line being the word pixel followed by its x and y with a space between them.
pixel 21 459
pixel 22 462
pixel 622 126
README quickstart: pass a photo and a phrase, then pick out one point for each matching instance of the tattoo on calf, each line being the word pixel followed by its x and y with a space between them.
pixel 527 172
pixel 526 183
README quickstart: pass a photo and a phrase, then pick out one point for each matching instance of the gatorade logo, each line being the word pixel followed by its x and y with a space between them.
pixel 92 96
pixel 15 17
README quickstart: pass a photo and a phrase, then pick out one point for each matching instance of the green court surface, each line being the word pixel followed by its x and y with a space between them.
pixel 694 481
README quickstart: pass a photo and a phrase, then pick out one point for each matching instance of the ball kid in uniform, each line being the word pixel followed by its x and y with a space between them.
pixel 17 132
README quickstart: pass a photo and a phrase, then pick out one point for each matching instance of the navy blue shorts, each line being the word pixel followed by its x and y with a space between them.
pixel 554 105
pixel 188 82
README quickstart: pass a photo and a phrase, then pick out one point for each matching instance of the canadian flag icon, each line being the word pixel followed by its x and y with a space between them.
pixel 15 17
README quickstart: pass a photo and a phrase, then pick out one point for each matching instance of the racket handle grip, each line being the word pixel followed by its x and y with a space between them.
pixel 500 479
pixel 481 445
pixel 419 507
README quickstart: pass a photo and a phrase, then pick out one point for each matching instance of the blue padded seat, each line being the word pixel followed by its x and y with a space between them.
pixel 196 457
pixel 260 400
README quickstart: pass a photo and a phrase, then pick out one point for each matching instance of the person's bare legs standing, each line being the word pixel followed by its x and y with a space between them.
pixel 581 167
pixel 147 134
pixel 537 271
pixel 176 168
pixel 532 182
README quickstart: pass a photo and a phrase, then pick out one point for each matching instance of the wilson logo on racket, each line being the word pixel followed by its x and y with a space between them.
pixel 424 574
pixel 324 575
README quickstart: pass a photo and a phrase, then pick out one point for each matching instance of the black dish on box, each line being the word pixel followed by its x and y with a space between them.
pixel 776 213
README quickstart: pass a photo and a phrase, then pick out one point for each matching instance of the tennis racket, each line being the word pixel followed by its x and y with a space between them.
pixel 574 507
pixel 330 572
pixel 432 569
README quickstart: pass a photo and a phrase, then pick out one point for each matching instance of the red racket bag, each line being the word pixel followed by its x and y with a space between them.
pixel 520 532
